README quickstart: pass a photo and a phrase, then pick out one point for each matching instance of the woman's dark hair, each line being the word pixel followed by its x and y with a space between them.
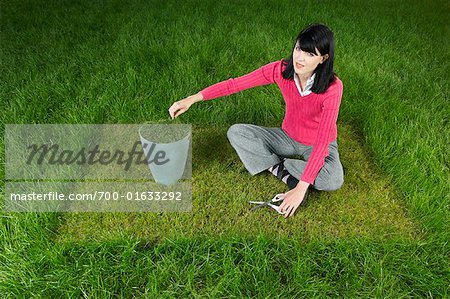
pixel 321 37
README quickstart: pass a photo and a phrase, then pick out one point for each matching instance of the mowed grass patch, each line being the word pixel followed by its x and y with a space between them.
pixel 366 206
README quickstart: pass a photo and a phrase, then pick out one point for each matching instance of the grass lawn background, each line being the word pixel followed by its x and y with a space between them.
pixel 384 234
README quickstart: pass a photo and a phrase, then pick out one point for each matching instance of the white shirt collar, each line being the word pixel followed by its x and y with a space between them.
pixel 308 86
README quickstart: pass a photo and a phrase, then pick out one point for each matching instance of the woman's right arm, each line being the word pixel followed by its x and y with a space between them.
pixel 183 105
pixel 262 76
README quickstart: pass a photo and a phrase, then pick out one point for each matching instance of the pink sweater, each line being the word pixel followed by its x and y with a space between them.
pixel 310 120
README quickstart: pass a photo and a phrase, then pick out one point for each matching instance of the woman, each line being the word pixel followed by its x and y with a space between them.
pixel 312 93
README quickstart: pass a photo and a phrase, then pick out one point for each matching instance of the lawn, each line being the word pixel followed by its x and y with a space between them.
pixel 384 234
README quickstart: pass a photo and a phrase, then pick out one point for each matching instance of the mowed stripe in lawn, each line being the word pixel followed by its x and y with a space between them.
pixel 367 205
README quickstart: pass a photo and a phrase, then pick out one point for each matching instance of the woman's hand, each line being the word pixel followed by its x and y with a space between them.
pixel 293 198
pixel 183 105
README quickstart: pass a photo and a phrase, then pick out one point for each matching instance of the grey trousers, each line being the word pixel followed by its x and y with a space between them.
pixel 259 148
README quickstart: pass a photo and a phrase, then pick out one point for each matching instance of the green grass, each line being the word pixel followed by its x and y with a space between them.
pixel 383 235
pixel 366 206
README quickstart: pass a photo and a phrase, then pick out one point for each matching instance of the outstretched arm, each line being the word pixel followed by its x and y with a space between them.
pixel 183 105
pixel 262 76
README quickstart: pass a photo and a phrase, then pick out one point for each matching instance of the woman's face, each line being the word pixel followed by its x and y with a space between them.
pixel 305 63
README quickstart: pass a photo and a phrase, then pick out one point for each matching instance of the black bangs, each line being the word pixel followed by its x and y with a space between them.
pixel 307 44
pixel 316 36
pixel 320 37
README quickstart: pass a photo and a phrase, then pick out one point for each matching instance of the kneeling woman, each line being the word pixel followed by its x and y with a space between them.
pixel 312 93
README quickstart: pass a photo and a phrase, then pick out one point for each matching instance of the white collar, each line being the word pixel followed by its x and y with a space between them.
pixel 308 86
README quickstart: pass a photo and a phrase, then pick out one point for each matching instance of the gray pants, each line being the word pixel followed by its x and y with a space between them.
pixel 259 148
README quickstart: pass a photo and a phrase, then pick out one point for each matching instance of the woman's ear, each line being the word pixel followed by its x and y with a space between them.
pixel 324 57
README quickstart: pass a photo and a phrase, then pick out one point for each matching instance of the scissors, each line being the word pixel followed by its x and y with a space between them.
pixel 270 203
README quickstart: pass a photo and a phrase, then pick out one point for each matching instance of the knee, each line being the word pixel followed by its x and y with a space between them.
pixel 336 185
pixel 235 130
pixel 330 185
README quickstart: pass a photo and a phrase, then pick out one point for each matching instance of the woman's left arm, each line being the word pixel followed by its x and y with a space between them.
pixel 328 120
pixel 330 111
